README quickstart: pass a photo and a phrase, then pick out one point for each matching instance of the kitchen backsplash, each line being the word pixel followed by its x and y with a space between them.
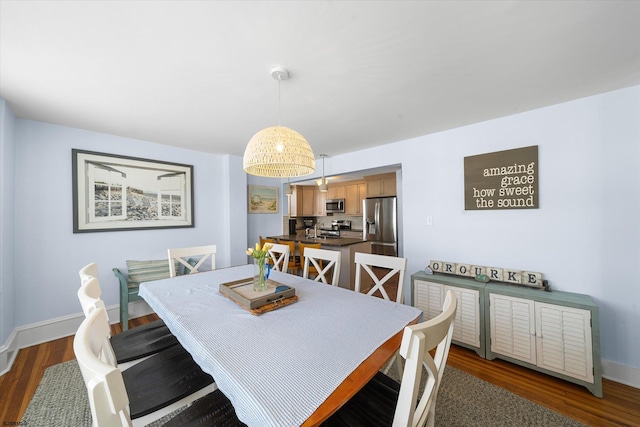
pixel 356 221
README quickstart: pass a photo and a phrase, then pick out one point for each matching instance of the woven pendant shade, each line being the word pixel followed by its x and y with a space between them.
pixel 278 152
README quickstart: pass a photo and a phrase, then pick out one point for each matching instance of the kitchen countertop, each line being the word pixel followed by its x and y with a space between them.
pixel 341 241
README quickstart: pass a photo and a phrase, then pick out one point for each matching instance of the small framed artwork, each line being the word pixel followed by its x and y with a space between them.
pixel 116 193
pixel 263 199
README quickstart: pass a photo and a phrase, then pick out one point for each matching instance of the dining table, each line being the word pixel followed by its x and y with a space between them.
pixel 287 367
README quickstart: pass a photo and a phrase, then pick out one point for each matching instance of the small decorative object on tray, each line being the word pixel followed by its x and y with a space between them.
pixel 275 296
pixel 261 274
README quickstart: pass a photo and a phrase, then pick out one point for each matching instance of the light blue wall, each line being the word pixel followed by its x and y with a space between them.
pixel 7 206
pixel 48 254
pixel 235 216
pixel 266 224
pixel 584 238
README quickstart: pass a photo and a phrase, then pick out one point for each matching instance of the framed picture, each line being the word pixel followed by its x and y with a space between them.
pixel 116 193
pixel 263 199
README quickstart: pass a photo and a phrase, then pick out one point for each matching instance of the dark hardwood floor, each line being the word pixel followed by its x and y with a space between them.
pixel 619 407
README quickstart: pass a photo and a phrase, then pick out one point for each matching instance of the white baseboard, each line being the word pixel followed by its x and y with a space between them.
pixel 8 353
pixel 48 330
pixel 622 374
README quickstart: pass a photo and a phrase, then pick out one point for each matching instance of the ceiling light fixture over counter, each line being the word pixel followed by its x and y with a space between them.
pixel 277 151
pixel 323 184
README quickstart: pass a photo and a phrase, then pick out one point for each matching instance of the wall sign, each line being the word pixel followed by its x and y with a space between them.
pixel 502 180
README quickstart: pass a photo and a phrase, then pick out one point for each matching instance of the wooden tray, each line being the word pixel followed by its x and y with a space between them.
pixel 242 293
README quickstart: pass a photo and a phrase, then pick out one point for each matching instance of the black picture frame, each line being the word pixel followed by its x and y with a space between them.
pixel 117 193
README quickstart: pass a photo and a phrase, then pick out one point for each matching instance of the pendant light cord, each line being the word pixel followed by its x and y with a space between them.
pixel 279 81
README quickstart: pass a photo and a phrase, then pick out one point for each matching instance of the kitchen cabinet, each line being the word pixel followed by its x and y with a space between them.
pixel 355 193
pixel 295 201
pixel 306 200
pixel 552 332
pixel 320 207
pixel 556 332
pixel 428 295
pixel 381 185
pixel 335 192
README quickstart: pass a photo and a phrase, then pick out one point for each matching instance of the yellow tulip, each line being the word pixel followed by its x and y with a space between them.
pixel 257 246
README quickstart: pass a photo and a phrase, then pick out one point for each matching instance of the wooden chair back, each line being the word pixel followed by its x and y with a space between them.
pixel 368 262
pixel 89 295
pixel 294 263
pixel 330 273
pixel 184 255
pixel 279 256
pixel 88 271
pixel 303 247
pixel 264 240
pixel 414 409
pixel 106 390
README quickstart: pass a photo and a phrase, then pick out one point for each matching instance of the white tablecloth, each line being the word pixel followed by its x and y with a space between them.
pixel 276 368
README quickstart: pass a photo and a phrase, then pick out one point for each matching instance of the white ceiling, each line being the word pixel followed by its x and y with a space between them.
pixel 196 74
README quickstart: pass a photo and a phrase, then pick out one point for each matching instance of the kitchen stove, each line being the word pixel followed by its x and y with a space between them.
pixel 341 224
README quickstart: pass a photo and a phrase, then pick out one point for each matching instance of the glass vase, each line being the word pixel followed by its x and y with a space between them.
pixel 259 275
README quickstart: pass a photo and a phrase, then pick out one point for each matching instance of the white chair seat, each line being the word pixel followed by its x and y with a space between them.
pixel 145 392
pixel 132 345
pixel 384 402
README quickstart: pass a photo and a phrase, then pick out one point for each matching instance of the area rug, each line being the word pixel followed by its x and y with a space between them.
pixel 463 400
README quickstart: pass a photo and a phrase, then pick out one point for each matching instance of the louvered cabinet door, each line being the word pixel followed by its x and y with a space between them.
pixel 467 322
pixel 513 325
pixel 563 339
pixel 428 297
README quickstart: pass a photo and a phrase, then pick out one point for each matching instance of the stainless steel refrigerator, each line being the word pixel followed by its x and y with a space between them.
pixel 380 225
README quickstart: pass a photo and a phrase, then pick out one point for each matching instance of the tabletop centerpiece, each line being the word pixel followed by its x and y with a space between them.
pixel 261 268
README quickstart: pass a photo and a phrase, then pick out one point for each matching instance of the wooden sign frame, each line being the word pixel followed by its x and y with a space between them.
pixel 502 180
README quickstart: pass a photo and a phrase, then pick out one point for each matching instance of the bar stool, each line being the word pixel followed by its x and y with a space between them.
pixel 294 261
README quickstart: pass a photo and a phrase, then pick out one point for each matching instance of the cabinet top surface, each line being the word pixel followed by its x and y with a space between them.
pixel 510 289
pixel 446 279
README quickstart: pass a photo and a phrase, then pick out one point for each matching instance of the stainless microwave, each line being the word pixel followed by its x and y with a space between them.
pixel 335 206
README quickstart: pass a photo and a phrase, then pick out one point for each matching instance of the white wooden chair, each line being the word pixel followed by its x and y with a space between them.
pixel 112 402
pixel 88 271
pixel 89 296
pixel 132 345
pixel 368 262
pixel 184 255
pixel 396 266
pixel 279 255
pixel 313 256
pixel 384 402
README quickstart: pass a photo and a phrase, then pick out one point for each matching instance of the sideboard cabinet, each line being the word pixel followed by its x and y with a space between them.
pixel 469 326
pixel 554 332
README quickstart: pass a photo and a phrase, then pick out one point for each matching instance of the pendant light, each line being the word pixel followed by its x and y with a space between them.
pixel 287 189
pixel 323 184
pixel 277 151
